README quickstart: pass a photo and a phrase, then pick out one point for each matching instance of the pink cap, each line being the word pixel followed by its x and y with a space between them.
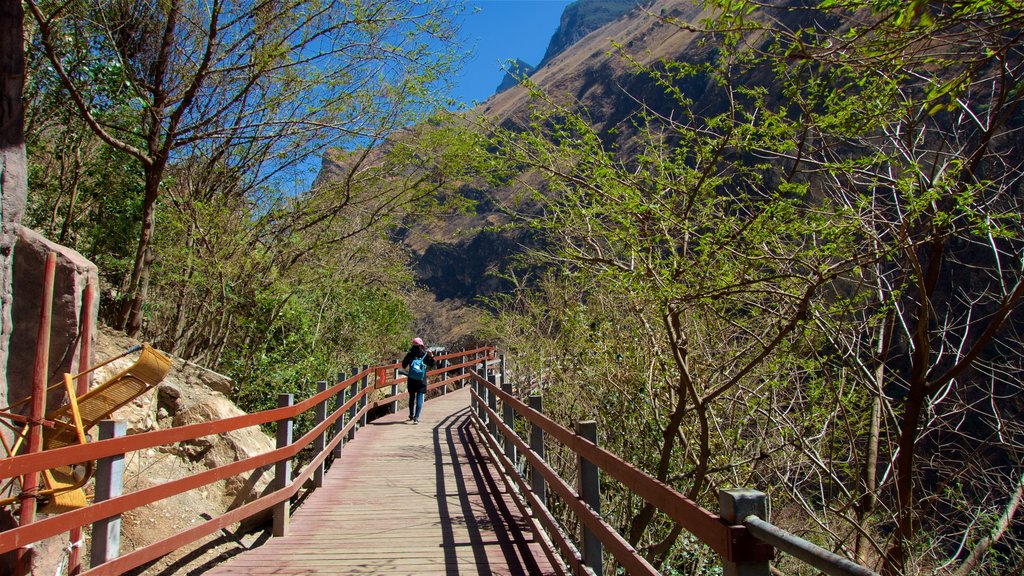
pixel 417 341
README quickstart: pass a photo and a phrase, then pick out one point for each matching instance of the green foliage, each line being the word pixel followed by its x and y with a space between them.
pixel 798 266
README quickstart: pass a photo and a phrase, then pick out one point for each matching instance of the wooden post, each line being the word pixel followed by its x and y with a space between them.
pixel 735 505
pixel 352 390
pixel 283 468
pixel 540 488
pixel 339 423
pixel 590 492
pixel 492 403
pixel 106 533
pixel 508 416
pixel 321 440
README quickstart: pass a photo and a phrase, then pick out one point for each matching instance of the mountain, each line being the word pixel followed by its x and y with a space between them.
pixel 455 258
pixel 516 70
pixel 583 17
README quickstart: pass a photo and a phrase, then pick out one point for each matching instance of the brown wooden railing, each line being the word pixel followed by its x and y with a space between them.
pixel 353 399
pixel 741 535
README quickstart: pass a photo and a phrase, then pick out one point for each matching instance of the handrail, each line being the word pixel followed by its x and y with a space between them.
pixel 753 540
pixel 623 552
pixel 54 525
pixel 21 464
pixel 731 542
pixel 797 547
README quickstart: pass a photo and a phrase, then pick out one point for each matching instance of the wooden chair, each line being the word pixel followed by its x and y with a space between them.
pixel 69 424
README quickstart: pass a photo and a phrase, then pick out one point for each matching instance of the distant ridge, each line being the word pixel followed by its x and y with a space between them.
pixel 515 71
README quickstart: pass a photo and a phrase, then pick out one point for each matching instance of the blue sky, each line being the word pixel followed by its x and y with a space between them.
pixel 501 30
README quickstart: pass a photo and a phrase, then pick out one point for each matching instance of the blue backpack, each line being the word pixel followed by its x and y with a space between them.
pixel 418 368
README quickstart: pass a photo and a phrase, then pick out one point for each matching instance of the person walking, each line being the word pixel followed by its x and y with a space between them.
pixel 417 361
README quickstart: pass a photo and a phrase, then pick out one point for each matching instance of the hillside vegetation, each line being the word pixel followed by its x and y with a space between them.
pixel 772 246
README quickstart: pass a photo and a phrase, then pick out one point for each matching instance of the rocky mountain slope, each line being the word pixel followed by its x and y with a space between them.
pixel 456 258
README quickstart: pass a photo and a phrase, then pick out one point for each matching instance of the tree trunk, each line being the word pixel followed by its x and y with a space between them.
pixel 129 318
pixel 869 473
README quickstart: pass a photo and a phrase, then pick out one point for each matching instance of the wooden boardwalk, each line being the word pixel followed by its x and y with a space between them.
pixel 406 499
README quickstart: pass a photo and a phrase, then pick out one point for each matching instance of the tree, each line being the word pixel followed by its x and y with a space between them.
pixel 720 265
pixel 260 88
pixel 867 142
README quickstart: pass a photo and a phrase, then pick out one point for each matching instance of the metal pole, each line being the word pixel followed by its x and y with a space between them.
pixel 492 403
pixel 339 423
pixel 444 376
pixel 394 390
pixel 321 440
pixel 590 492
pixel 30 481
pixel 365 383
pixel 283 468
pixel 734 506
pixel 106 533
pixel 352 389
pixel 83 384
pixel 508 416
pixel 540 488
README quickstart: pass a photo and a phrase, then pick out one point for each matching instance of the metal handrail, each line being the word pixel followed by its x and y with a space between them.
pixel 812 554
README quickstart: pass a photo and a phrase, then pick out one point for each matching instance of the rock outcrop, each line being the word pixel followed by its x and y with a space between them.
pixel 190 394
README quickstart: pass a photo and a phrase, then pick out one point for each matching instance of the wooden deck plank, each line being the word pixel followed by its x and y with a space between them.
pixel 406 499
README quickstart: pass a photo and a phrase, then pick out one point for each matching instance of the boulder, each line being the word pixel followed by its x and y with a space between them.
pixel 73 273
pixel 189 394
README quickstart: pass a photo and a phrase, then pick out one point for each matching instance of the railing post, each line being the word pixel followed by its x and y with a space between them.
pixel 734 506
pixel 362 403
pixel 321 440
pixel 352 390
pixel 501 368
pixel 462 371
pixel 540 488
pixel 492 403
pixel 283 468
pixel 508 416
pixel 444 376
pixel 339 423
pixel 106 533
pixel 590 492
pixel 394 390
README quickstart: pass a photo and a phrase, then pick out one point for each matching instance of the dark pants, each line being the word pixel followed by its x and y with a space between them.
pixel 416 399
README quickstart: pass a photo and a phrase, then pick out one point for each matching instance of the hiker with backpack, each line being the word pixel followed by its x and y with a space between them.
pixel 417 361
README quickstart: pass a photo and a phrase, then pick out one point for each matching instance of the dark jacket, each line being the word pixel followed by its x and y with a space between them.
pixel 415 352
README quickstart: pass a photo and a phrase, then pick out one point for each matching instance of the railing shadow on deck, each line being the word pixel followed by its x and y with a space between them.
pixel 472 474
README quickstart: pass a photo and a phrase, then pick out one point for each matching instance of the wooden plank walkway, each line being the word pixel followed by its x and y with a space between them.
pixel 406 499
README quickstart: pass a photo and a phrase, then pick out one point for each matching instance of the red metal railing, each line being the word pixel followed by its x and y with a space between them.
pixel 741 536
pixel 343 420
pixel 733 543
